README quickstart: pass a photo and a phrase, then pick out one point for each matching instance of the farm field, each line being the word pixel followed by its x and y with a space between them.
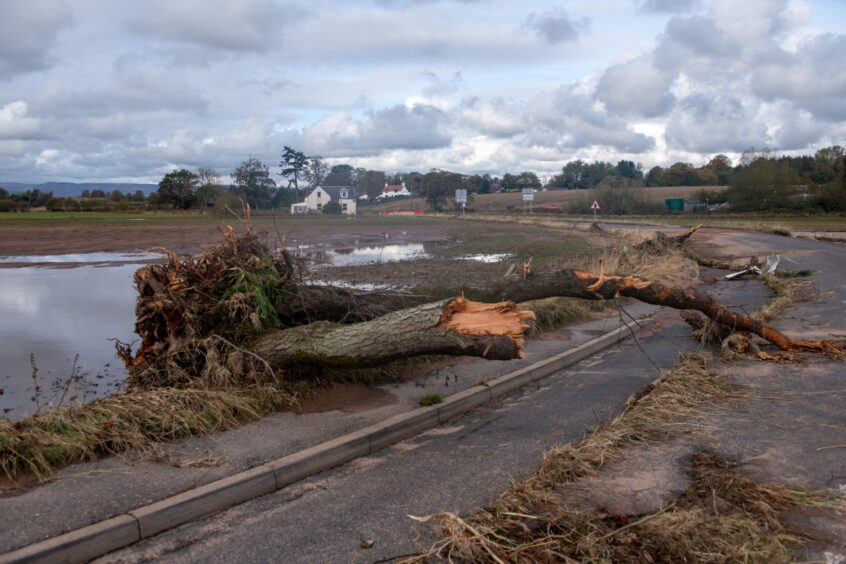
pixel 501 201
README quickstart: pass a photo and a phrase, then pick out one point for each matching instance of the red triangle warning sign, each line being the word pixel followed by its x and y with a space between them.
pixel 595 205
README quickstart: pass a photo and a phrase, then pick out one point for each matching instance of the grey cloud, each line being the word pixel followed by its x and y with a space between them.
pixel 568 119
pixel 419 127
pixel 556 26
pixel 813 79
pixel 244 26
pixel 28 32
pixel 712 124
pixel 667 6
pixel 637 87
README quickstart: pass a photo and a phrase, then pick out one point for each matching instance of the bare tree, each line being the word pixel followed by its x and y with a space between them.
pixel 316 171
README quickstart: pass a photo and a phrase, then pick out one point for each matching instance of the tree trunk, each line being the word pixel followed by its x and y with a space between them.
pixel 298 305
pixel 449 327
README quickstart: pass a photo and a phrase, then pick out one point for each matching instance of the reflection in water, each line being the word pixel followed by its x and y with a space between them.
pixel 77 258
pixel 56 314
pixel 365 255
pixel 488 258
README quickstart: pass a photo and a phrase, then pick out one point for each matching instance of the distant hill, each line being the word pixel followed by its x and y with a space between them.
pixel 64 189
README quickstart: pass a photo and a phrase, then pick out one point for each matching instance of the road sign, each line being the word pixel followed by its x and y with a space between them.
pixel 461 196
pixel 595 205
pixel 528 194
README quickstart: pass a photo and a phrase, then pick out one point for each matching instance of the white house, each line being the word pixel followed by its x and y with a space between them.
pixel 322 195
pixel 299 208
pixel 394 190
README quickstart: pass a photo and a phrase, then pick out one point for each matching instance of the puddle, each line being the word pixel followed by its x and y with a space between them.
pixel 80 258
pixel 352 398
pixel 55 314
pixel 354 256
pixel 488 258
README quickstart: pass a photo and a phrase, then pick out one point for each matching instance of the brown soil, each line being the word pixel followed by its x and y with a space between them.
pixel 191 234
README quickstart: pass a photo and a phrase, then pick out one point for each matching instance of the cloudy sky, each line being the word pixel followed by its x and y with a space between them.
pixel 97 90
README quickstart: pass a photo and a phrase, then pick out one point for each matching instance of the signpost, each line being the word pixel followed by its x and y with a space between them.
pixel 595 207
pixel 461 198
pixel 528 196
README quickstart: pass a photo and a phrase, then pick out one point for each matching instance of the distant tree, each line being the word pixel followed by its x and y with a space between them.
pixel 177 188
pixel 721 166
pixel 655 176
pixel 826 164
pixel 333 207
pixel 681 174
pixel 340 175
pixel 210 186
pixel 98 193
pixel 439 186
pixel 3 192
pixel 316 171
pixel 510 182
pixel 293 167
pixel 627 169
pixel 372 183
pixel 86 194
pixel 207 176
pixel 527 179
pixel 481 183
pixel 137 196
pixel 117 195
pixel 763 183
pixel 412 182
pixel 253 183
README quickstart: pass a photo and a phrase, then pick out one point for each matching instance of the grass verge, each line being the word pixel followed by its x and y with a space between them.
pixel 129 421
pixel 722 516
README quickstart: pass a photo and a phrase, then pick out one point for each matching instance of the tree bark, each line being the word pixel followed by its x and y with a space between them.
pixel 299 305
pixel 449 327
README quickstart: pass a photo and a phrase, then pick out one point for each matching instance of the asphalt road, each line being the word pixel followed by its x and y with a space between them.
pixel 466 463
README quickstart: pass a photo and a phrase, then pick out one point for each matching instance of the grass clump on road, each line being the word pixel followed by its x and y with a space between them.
pixel 431 399
pixel 722 516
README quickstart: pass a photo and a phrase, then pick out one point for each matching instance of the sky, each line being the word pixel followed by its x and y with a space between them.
pixel 97 90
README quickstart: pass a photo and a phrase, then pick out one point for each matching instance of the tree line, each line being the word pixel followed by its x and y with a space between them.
pixel 760 180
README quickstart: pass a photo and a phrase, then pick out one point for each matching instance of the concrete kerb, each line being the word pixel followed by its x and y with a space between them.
pixel 100 538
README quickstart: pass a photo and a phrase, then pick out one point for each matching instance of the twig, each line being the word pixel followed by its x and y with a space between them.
pixel 831 446
pixel 636 523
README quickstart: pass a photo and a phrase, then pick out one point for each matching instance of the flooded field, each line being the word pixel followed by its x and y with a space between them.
pixel 59 315
pixel 56 323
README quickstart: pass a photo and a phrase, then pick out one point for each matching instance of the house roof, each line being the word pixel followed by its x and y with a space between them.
pixel 335 192
pixel 393 187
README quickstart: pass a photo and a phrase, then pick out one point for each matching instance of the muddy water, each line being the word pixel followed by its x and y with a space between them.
pixel 63 318
pixel 347 397
pixel 62 311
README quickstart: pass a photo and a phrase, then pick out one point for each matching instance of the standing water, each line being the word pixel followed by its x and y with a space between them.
pixel 56 323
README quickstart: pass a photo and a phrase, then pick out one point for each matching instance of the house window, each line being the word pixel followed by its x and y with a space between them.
pixel 344 207
pixel 318 195
pixel 345 194
pixel 320 206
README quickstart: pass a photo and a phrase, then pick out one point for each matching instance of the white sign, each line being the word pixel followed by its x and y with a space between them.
pixel 595 205
pixel 461 196
pixel 528 194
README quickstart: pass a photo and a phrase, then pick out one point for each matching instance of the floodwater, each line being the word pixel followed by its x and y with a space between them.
pixel 62 319
pixel 60 314
pixel 354 256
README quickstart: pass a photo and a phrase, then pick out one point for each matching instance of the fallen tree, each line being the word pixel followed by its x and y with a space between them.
pixel 590 286
pixel 241 312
